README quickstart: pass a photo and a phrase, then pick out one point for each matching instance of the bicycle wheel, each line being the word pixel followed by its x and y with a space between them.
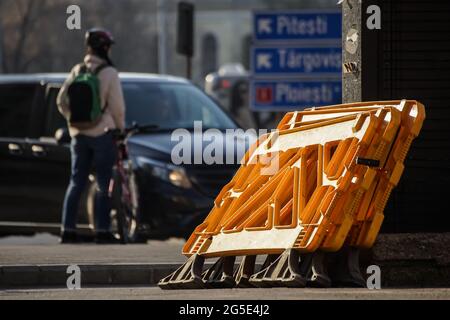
pixel 118 209
pixel 133 209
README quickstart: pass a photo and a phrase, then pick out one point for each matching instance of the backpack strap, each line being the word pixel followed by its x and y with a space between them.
pixel 96 72
pixel 100 68
pixel 83 68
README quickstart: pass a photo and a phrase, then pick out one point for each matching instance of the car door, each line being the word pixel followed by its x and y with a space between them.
pixel 16 162
pixel 52 157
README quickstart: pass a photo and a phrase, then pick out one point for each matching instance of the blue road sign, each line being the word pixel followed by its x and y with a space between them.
pixel 296 60
pixel 287 61
pixel 293 94
pixel 270 26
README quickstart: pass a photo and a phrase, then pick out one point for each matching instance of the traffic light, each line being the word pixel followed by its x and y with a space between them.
pixel 185 29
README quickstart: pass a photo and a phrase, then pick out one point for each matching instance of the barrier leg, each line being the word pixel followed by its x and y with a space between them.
pixel 313 267
pixel 188 276
pixel 220 275
pixel 269 259
pixel 244 272
pixel 348 273
pixel 283 272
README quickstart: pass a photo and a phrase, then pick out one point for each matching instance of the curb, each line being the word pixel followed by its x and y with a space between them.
pixel 55 275
pixel 399 273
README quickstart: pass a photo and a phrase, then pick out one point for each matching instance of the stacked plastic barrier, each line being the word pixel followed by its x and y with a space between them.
pixel 320 181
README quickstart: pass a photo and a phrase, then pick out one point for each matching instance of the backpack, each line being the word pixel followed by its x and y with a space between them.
pixel 84 98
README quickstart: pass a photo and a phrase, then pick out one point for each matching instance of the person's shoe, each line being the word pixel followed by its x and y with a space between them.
pixel 68 237
pixel 106 238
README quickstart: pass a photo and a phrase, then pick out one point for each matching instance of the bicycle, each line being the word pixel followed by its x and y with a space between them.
pixel 123 188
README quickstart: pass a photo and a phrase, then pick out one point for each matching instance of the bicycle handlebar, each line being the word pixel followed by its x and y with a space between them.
pixel 124 134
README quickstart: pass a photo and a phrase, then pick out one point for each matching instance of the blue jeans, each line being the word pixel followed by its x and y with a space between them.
pixel 87 151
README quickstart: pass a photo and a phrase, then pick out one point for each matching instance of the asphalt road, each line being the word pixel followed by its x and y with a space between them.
pixel 155 293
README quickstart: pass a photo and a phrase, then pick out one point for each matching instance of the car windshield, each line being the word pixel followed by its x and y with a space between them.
pixel 172 106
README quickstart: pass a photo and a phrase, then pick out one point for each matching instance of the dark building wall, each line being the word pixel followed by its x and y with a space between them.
pixel 409 58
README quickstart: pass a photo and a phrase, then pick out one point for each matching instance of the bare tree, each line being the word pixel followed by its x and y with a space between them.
pixel 35 37
pixel 24 15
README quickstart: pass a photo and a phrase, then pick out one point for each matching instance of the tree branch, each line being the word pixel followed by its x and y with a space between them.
pixel 26 15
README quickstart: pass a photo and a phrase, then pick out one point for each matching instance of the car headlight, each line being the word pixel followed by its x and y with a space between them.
pixel 174 174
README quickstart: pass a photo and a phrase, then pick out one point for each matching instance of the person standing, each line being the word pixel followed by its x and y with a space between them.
pixel 91 100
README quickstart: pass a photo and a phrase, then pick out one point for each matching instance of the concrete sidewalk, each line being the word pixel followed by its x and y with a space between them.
pixel 415 260
pixel 24 264
pixel 154 251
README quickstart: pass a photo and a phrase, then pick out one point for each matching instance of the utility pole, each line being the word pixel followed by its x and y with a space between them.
pixel 162 36
pixel 359 76
pixel 359 53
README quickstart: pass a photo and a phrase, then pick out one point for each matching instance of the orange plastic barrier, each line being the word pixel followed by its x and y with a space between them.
pixel 322 179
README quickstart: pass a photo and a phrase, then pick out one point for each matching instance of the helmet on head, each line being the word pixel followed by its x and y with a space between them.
pixel 98 37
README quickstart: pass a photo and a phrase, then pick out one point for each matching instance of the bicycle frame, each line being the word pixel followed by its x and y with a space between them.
pixel 121 162
pixel 126 203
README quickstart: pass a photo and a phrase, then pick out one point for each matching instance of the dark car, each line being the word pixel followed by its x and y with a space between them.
pixel 35 156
